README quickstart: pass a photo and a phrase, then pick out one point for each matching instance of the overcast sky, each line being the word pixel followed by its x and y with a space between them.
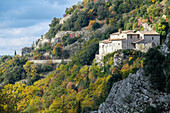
pixel 24 21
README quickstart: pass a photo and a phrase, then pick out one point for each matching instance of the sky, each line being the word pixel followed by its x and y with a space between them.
pixel 24 21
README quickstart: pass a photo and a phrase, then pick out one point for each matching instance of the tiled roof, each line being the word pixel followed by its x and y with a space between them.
pixel 110 40
pixel 117 39
pixel 149 32
pixel 125 32
pixel 132 32
pixel 105 41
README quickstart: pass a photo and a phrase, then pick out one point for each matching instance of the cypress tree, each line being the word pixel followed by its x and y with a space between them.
pixel 15 53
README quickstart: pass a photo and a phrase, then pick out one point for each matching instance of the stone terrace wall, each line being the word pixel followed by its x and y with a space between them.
pixel 49 61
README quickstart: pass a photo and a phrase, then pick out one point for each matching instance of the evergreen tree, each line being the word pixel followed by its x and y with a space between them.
pixel 15 53
pixel 167 69
pixel 33 45
pixel 153 66
pixel 79 107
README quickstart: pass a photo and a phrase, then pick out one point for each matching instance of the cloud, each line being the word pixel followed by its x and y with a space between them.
pixel 15 38
pixel 24 21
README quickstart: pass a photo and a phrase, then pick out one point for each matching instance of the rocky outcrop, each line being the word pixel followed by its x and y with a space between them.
pixel 64 19
pixel 118 59
pixel 41 41
pixel 147 27
pixel 164 49
pixel 134 95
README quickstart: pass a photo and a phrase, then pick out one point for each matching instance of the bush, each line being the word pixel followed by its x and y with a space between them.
pixel 87 56
pixel 150 109
pixel 153 66
pixel 95 26
pixel 46 67
pixel 126 74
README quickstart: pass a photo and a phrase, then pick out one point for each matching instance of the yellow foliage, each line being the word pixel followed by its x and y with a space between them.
pixel 130 58
pixel 91 23
pixel 111 20
pixel 90 11
pixel 110 8
pixel 30 68
pixel 111 61
pixel 163 27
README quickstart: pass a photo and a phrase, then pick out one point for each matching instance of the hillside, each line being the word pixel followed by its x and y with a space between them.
pixel 82 85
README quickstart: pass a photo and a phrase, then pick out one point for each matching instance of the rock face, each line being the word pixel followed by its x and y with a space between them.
pixel 64 19
pixel 118 58
pixel 42 40
pixel 164 49
pixel 134 95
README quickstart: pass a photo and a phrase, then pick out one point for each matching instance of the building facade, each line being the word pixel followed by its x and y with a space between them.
pixel 129 39
pixel 25 50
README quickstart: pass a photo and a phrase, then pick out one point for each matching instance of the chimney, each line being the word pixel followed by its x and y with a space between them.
pixel 120 31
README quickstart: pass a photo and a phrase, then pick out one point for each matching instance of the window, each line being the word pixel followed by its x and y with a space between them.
pixel 138 36
pixel 131 36
pixel 118 43
pixel 152 38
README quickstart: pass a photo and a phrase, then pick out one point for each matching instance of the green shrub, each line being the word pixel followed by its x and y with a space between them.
pixel 153 66
pixel 150 109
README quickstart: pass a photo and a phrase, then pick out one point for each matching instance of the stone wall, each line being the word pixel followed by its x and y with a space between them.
pixel 144 47
pixel 134 95
pixel 58 61
pixel 25 50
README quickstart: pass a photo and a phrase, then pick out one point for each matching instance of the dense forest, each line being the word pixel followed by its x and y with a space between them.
pixel 81 85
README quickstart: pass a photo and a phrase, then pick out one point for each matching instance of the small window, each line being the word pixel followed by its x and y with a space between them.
pixel 131 36
pixel 138 36
pixel 152 38
pixel 118 43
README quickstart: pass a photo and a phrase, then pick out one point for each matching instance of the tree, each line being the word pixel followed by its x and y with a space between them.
pixel 95 26
pixel 79 107
pixel 57 50
pixel 101 12
pixel 54 22
pixel 166 65
pixel 87 56
pixel 33 45
pixel 83 20
pixel 15 53
pixel 153 66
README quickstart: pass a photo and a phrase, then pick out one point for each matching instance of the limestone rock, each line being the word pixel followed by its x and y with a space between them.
pixel 164 49
pixel 133 95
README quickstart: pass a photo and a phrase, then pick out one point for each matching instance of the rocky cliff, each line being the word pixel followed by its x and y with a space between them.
pixel 134 95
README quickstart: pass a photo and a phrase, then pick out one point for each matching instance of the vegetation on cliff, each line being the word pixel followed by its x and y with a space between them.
pixel 81 85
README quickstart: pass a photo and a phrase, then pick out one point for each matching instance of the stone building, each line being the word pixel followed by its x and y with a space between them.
pixel 25 50
pixel 129 39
